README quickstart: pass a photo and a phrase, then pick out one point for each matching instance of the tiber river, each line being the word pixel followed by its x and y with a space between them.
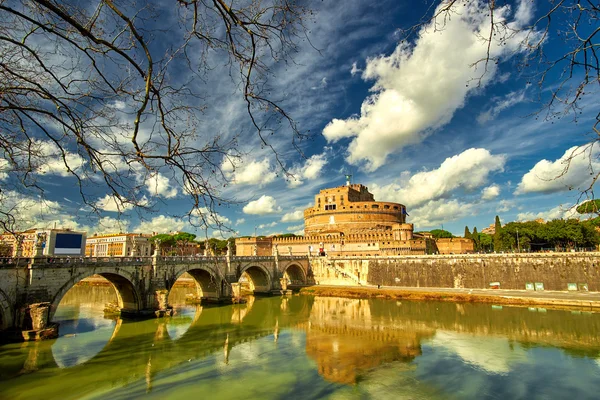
pixel 303 347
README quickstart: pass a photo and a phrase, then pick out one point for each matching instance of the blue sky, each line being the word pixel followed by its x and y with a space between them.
pixel 405 119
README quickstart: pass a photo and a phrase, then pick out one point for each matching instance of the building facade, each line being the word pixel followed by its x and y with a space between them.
pixel 43 242
pixel 119 245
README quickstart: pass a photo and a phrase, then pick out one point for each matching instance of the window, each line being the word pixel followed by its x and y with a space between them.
pixel 375 206
pixel 395 207
pixel 386 207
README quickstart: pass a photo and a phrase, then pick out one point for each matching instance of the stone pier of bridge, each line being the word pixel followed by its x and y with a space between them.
pixel 31 288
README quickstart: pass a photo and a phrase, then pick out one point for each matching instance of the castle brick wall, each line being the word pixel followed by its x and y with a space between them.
pixel 512 271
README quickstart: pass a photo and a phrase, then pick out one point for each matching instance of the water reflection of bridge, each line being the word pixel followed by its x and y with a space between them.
pixel 141 349
pixel 347 338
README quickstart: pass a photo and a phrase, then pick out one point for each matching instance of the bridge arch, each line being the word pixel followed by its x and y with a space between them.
pixel 128 298
pixel 295 275
pixel 6 318
pixel 259 279
pixel 207 282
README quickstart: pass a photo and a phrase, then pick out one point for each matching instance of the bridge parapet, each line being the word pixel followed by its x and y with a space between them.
pixel 189 259
pixel 293 258
pixel 252 258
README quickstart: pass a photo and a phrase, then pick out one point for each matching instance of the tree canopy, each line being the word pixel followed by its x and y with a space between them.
pixel 558 234
pixel 440 233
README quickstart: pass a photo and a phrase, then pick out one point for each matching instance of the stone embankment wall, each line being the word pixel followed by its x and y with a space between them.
pixel 512 271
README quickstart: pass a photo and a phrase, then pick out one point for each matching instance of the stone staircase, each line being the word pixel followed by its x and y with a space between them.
pixel 343 274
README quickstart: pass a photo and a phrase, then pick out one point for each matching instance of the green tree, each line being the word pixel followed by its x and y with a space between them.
pixel 440 233
pixel 182 239
pixel 498 242
pixel 485 242
pixel 476 239
pixel 467 233
pixel 166 240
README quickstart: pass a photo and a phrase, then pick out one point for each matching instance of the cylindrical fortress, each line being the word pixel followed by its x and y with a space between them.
pixel 350 210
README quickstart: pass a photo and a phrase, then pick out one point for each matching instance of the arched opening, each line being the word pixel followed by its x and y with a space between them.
pixel 255 280
pixel 193 286
pixel 88 314
pixel 96 289
pixel 294 275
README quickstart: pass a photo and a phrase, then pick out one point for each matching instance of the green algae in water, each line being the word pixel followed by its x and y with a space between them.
pixel 311 348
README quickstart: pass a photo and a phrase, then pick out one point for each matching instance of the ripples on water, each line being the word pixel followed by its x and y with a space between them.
pixel 308 348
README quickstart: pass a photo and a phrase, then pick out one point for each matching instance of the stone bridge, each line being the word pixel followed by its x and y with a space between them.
pixel 32 288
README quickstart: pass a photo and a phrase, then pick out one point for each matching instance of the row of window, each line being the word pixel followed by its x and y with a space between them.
pixel 334 207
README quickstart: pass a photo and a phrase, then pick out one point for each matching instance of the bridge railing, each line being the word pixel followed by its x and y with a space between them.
pixel 11 262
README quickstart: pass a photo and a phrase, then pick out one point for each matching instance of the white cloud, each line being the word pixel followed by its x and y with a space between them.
pixel 240 221
pixel 354 70
pixel 224 234
pixel 557 212
pixel 297 215
pixel 311 170
pixel 500 105
pixel 159 185
pixel 113 204
pixel 4 167
pixel 574 170
pixel 49 159
pixel 417 89
pixel 248 172
pixel 505 205
pixel 270 225
pixel 296 228
pixel 204 217
pixel 436 212
pixel 161 224
pixel 264 205
pixel 108 225
pixel 34 212
pixel 322 84
pixel 467 170
pixel 490 192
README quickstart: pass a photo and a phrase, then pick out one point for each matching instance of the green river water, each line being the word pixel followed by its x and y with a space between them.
pixel 304 347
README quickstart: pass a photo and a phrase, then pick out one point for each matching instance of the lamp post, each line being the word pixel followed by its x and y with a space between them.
pixel 518 244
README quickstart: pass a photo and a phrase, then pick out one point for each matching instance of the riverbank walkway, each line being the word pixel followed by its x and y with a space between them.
pixel 558 299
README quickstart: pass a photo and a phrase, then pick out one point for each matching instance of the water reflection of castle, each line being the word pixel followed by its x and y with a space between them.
pixel 346 341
